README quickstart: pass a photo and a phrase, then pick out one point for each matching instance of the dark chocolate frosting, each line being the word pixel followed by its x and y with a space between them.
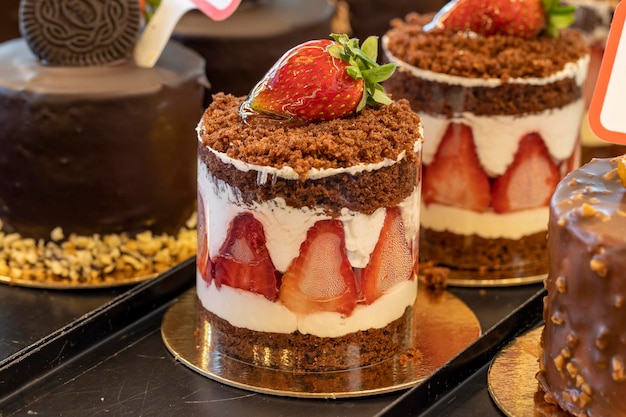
pixel 98 149
pixel 9 23
pixel 583 365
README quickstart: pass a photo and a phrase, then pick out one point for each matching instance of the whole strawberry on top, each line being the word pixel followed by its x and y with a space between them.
pixel 523 18
pixel 320 80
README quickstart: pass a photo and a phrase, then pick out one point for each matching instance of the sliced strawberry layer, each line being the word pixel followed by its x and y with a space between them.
pixel 455 176
pixel 529 181
pixel 321 277
pixel 391 261
pixel 243 260
pixel 203 261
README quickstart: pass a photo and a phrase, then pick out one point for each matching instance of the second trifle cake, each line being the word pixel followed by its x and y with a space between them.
pixel 308 235
pixel 501 106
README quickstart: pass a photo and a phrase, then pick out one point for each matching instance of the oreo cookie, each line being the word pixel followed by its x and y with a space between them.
pixel 80 32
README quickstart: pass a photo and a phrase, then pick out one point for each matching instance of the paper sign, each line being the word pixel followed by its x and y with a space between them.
pixel 217 9
pixel 607 111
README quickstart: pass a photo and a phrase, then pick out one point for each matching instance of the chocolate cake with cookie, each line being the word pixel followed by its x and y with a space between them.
pixel 95 153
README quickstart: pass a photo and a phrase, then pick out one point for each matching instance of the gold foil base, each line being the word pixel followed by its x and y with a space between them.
pixel 69 285
pixel 511 379
pixel 442 326
pixel 459 278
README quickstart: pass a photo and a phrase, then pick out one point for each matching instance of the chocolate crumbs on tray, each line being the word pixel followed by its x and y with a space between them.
pixel 374 135
pixel 432 276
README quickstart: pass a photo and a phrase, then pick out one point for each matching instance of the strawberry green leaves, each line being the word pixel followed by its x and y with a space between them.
pixel 363 66
pixel 558 16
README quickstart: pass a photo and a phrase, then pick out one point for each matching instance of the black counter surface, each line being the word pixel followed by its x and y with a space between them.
pixel 100 353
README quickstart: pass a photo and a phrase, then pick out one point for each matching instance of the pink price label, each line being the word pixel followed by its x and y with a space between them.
pixel 607 111
pixel 217 9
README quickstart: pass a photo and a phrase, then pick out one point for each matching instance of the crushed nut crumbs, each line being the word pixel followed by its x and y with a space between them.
pixel 93 260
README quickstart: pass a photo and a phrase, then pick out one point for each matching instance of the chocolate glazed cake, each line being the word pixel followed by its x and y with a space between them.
pixel 9 26
pixel 583 361
pixel 97 165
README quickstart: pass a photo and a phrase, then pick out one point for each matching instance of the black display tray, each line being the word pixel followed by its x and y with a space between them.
pixel 112 361
pixel 30 314
pixel 49 327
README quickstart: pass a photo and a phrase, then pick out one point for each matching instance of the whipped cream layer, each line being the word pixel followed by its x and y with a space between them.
pixel 497 140
pixel 266 173
pixel 497 137
pixel 286 227
pixel 489 225
pixel 274 317
pixel 285 230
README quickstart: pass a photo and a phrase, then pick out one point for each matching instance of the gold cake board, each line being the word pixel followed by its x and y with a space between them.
pixel 68 285
pixel 511 379
pixel 442 327
pixel 457 279
pixel 494 277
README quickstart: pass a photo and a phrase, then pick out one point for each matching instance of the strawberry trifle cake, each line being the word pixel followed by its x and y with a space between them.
pixel 309 194
pixel 499 89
